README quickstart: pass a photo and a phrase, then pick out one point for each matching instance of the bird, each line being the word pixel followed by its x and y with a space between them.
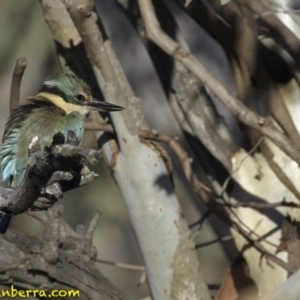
pixel 60 106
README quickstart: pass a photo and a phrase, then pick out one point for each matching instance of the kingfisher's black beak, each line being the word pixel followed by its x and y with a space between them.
pixel 102 106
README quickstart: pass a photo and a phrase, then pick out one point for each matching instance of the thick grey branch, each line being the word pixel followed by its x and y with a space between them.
pixel 64 260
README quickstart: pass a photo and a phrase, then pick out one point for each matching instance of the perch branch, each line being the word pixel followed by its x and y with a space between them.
pixel 60 183
pixel 42 166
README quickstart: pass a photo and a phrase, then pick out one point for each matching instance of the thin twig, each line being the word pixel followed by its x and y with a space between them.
pixel 199 223
pixel 281 11
pixel 226 182
pixel 91 229
pixel 201 220
pixel 16 83
pixel 218 240
pixel 121 265
pixel 248 233
pixel 256 244
pixel 257 205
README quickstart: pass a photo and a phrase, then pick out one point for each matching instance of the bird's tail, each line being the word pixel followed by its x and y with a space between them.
pixel 4 222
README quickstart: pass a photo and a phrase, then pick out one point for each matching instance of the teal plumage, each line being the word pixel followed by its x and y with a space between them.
pixel 60 106
pixel 39 120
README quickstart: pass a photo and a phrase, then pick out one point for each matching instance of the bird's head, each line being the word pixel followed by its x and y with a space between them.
pixel 71 93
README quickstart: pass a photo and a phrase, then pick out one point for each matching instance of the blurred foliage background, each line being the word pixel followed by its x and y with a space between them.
pixel 23 32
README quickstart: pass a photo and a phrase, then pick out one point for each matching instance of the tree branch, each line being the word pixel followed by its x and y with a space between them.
pixel 262 124
pixel 16 83
pixel 205 194
pixel 142 178
pixel 190 102
pixel 287 36
pixel 32 192
pixel 64 260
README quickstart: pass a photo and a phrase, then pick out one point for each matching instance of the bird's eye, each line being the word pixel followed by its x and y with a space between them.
pixel 80 98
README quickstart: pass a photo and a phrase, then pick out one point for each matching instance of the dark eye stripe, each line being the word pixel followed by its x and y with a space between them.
pixel 80 98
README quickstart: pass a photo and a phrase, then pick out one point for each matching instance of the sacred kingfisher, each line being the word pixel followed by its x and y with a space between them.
pixel 60 106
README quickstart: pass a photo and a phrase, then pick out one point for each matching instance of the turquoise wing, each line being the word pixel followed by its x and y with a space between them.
pixel 10 139
pixel 9 161
pixel 44 123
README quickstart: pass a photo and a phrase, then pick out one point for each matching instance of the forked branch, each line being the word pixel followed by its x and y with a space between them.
pixel 262 124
